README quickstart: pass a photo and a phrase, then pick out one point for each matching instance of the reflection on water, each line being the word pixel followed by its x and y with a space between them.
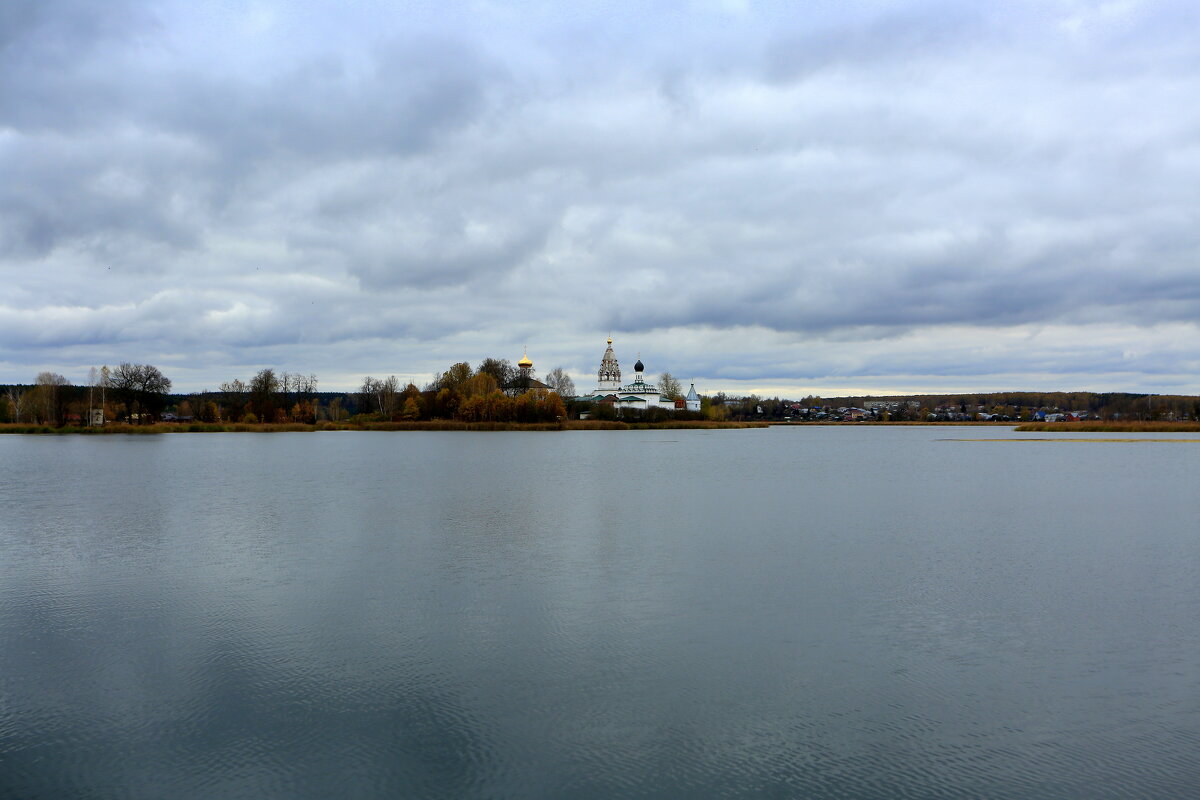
pixel 785 612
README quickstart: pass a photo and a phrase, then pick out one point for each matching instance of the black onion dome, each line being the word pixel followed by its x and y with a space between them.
pixel 638 366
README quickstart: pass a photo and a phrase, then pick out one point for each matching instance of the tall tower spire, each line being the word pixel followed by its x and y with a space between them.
pixel 610 372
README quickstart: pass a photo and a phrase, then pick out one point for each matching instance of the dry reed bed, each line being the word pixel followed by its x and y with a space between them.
pixel 1109 427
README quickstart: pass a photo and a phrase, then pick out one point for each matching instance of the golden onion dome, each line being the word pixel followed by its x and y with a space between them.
pixel 525 361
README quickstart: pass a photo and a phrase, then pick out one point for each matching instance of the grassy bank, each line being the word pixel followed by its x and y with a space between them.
pixel 1109 427
pixel 429 425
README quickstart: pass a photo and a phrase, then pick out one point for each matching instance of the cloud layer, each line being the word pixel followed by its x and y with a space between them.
pixel 880 196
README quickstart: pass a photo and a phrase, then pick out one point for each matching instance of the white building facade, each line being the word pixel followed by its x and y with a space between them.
pixel 639 393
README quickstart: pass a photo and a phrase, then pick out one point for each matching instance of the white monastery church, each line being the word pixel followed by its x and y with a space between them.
pixel 638 394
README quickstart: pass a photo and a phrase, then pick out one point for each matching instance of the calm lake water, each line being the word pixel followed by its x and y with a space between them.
pixel 813 612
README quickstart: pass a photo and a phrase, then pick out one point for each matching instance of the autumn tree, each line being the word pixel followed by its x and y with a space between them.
pixel 469 409
pixel 492 407
pixel 389 396
pixel 669 387
pixel 263 388
pixel 714 408
pixel 48 397
pixel 499 368
pixel 456 376
pixel 142 387
pixel 304 411
pixel 526 407
pixel 499 407
pixel 153 389
pixel 123 383
pixel 552 407
pixel 558 380
pixel 17 402
pixel 539 406
pixel 234 395
pixel 480 383
pixel 380 396
pixel 411 392
pixel 48 400
pixel 366 394
pixel 445 404
pixel 297 387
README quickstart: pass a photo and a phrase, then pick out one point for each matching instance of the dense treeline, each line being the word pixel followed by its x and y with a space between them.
pixel 495 392
pixel 498 392
pixel 491 393
pixel 267 397
pixel 132 392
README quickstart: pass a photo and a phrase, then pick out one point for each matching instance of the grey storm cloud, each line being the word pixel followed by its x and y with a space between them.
pixel 753 191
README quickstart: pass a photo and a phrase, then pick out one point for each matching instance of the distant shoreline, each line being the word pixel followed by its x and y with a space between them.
pixel 577 425
pixel 428 425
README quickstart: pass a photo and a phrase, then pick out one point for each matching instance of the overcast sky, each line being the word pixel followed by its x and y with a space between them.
pixel 828 197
